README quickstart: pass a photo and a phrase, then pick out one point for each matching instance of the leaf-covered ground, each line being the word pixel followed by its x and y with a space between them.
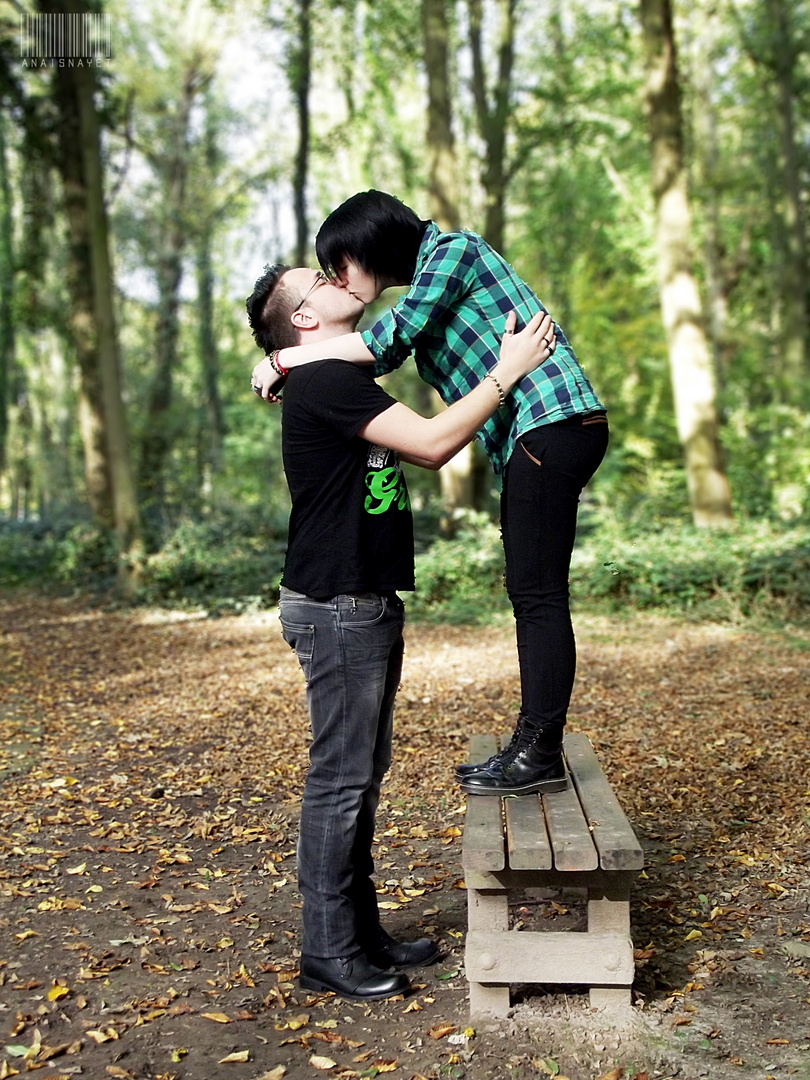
pixel 150 775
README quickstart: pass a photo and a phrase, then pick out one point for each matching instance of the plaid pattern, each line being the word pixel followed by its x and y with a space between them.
pixel 452 320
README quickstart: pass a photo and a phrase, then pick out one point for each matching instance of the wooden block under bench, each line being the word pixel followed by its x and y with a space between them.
pixel 577 838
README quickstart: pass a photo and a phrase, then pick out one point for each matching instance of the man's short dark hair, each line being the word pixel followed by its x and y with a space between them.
pixel 269 308
pixel 377 232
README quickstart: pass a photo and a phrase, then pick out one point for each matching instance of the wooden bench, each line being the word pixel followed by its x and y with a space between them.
pixel 578 838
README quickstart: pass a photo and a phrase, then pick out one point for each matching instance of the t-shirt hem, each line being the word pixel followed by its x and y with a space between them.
pixel 351 588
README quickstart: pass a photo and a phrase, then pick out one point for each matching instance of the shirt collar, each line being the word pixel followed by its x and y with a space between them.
pixel 428 241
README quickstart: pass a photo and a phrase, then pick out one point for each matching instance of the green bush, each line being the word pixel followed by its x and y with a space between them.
pixel 233 562
pixel 26 553
pixel 85 555
pixel 751 567
pixel 754 565
pixel 229 563
pixel 461 580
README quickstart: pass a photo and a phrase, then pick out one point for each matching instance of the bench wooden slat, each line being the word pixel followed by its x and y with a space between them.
pixel 570 836
pixel 612 833
pixel 482 847
pixel 549 957
pixel 526 837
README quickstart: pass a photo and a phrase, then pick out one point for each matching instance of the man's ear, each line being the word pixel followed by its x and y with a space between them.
pixel 304 319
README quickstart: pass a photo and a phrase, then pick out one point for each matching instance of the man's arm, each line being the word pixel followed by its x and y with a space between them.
pixel 432 441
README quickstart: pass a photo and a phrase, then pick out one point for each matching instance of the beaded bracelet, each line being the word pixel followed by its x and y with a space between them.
pixel 501 394
pixel 276 364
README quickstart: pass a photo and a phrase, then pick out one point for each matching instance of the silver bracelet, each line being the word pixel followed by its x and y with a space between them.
pixel 501 394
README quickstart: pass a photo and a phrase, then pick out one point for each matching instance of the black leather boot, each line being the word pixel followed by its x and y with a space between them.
pixel 468 768
pixel 534 767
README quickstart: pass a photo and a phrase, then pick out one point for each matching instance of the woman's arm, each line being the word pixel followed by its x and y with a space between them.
pixel 432 441
pixel 441 284
pixel 345 347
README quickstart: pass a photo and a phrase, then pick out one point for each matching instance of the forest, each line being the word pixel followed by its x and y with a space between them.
pixel 644 166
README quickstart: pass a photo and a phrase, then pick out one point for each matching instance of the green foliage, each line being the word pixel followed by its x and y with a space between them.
pixel 225 563
pixel 26 554
pixel 461 580
pixel 755 568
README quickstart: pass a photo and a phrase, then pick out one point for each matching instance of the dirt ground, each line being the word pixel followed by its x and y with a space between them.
pixel 150 772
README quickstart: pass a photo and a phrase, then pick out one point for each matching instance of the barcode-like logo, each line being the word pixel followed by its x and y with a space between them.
pixel 66 36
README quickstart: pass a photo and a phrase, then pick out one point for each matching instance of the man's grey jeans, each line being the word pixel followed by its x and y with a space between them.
pixel 350 650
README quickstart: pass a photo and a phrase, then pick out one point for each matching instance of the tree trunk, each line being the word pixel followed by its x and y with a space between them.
pixel 456 476
pixel 707 157
pixel 82 316
pixel 689 355
pixel 441 148
pixel 7 281
pixel 785 53
pixel 214 423
pixel 493 115
pixel 171 167
pixel 125 504
pixel 300 76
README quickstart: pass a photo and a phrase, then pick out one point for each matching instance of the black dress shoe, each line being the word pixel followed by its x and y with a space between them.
pixel 352 977
pixel 385 952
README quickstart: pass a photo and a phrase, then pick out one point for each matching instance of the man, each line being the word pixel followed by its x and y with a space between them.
pixel 350 550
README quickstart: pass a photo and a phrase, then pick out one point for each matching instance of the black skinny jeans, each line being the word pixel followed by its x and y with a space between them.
pixel 544 478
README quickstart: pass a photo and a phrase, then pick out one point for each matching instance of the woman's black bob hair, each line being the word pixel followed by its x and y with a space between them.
pixel 374 230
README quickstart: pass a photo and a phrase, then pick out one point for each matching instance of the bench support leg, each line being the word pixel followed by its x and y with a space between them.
pixel 488 911
pixel 609 913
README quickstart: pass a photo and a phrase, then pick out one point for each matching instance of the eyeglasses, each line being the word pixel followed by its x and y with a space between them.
pixel 320 279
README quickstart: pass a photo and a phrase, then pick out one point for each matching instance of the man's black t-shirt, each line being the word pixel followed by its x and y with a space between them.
pixel 351 528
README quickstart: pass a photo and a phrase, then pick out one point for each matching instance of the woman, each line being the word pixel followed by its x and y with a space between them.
pixel 545 442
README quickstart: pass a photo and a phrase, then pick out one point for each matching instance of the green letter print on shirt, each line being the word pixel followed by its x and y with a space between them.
pixel 386 485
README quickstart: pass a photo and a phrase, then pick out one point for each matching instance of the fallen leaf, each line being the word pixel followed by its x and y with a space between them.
pixel 58 990
pixel 218 1017
pixel 319 1062
pixel 274 1074
pixel 440 1030
pixel 102 1036
pixel 296 1022
pixel 237 1055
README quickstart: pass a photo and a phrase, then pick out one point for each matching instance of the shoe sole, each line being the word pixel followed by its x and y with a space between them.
pixel 539 787
pixel 323 988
